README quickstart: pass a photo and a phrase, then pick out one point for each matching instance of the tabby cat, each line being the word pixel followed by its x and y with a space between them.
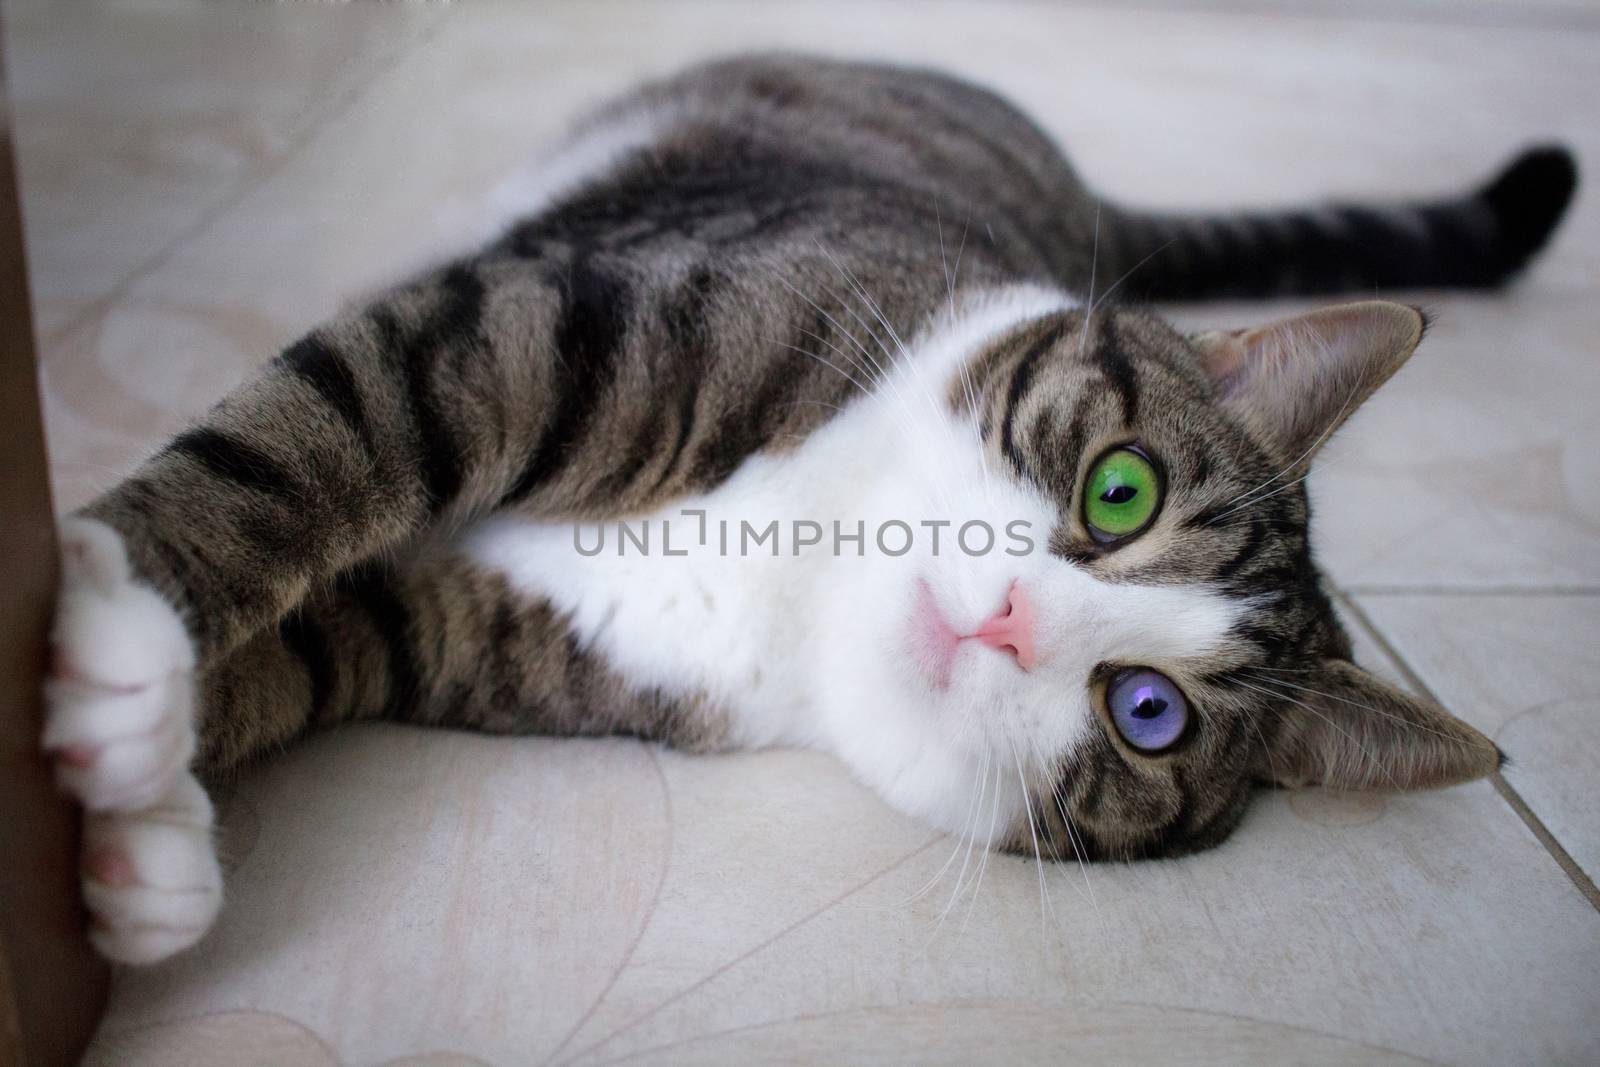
pixel 899 482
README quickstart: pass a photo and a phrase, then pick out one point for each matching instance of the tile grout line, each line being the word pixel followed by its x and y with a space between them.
pixel 1557 852
pixel 1576 874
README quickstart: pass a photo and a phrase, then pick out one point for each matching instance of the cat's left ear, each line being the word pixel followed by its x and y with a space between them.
pixel 1344 727
pixel 1294 381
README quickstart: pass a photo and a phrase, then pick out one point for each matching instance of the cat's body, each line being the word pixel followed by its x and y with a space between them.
pixel 848 300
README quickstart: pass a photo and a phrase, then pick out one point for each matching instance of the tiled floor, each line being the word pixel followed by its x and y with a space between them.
pixel 204 181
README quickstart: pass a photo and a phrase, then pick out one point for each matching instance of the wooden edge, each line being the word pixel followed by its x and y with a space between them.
pixel 52 985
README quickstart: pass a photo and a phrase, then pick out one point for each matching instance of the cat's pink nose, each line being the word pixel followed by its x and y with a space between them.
pixel 1011 628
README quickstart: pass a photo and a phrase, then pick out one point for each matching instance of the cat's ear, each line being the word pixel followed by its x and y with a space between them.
pixel 1294 381
pixel 1346 728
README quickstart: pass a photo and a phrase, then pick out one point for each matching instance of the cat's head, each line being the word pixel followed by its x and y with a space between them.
pixel 1168 643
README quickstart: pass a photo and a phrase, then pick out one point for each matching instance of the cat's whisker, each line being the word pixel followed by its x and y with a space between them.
pixel 811 403
pixel 904 420
pixel 835 323
pixel 968 388
pixel 846 375
pixel 960 840
pixel 866 299
pixel 988 847
pixel 1272 764
pixel 1218 523
pixel 1126 275
pixel 983 452
pixel 1094 265
pixel 949 285
pixel 971 842
pixel 1364 707
pixel 883 376
pixel 850 358
pixel 1045 903
pixel 1301 458
pixel 1256 500
pixel 863 323
pixel 1078 850
pixel 955 277
pixel 905 360
pixel 860 292
pixel 969 839
pixel 917 379
pixel 903 424
pixel 872 306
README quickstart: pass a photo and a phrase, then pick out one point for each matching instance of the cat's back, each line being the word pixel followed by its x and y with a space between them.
pixel 753 151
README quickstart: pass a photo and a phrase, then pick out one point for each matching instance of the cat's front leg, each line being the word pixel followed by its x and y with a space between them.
pixel 120 727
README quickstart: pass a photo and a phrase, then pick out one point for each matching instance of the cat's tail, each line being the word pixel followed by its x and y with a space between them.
pixel 1478 240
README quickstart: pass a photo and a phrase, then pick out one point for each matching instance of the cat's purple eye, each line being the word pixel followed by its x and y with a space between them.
pixel 1149 710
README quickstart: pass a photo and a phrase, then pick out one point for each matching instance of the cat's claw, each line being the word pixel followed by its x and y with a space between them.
pixel 120 727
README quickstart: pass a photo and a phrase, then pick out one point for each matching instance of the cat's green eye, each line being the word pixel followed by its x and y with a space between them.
pixel 1122 496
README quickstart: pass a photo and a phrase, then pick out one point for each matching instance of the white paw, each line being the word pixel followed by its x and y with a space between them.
pixel 150 877
pixel 120 692
pixel 119 724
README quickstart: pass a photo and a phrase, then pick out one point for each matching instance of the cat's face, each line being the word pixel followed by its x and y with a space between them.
pixel 1166 644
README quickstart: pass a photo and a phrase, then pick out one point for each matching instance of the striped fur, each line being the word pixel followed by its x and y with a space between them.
pixel 1474 241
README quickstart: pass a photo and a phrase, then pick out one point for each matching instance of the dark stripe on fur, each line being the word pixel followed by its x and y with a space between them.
pixel 686 328
pixel 1021 376
pixel 231 459
pixel 320 366
pixel 1247 552
pixel 748 428
pixel 505 640
pixel 1118 369
pixel 436 454
pixel 369 585
pixel 303 637
pixel 595 308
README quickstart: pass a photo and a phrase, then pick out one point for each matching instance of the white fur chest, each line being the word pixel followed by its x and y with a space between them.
pixel 683 599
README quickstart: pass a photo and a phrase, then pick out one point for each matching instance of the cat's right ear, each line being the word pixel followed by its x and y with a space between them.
pixel 1341 726
pixel 1295 380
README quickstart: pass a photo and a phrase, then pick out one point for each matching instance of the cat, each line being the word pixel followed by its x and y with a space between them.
pixel 1017 549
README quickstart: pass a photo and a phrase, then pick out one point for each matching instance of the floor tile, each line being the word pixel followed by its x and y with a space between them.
pixel 1523 670
pixel 565 897
pixel 138 121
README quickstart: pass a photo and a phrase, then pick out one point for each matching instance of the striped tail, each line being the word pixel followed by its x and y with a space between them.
pixel 1476 241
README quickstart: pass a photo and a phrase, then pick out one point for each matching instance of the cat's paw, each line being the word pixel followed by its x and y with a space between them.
pixel 119 724
pixel 119 694
pixel 150 877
